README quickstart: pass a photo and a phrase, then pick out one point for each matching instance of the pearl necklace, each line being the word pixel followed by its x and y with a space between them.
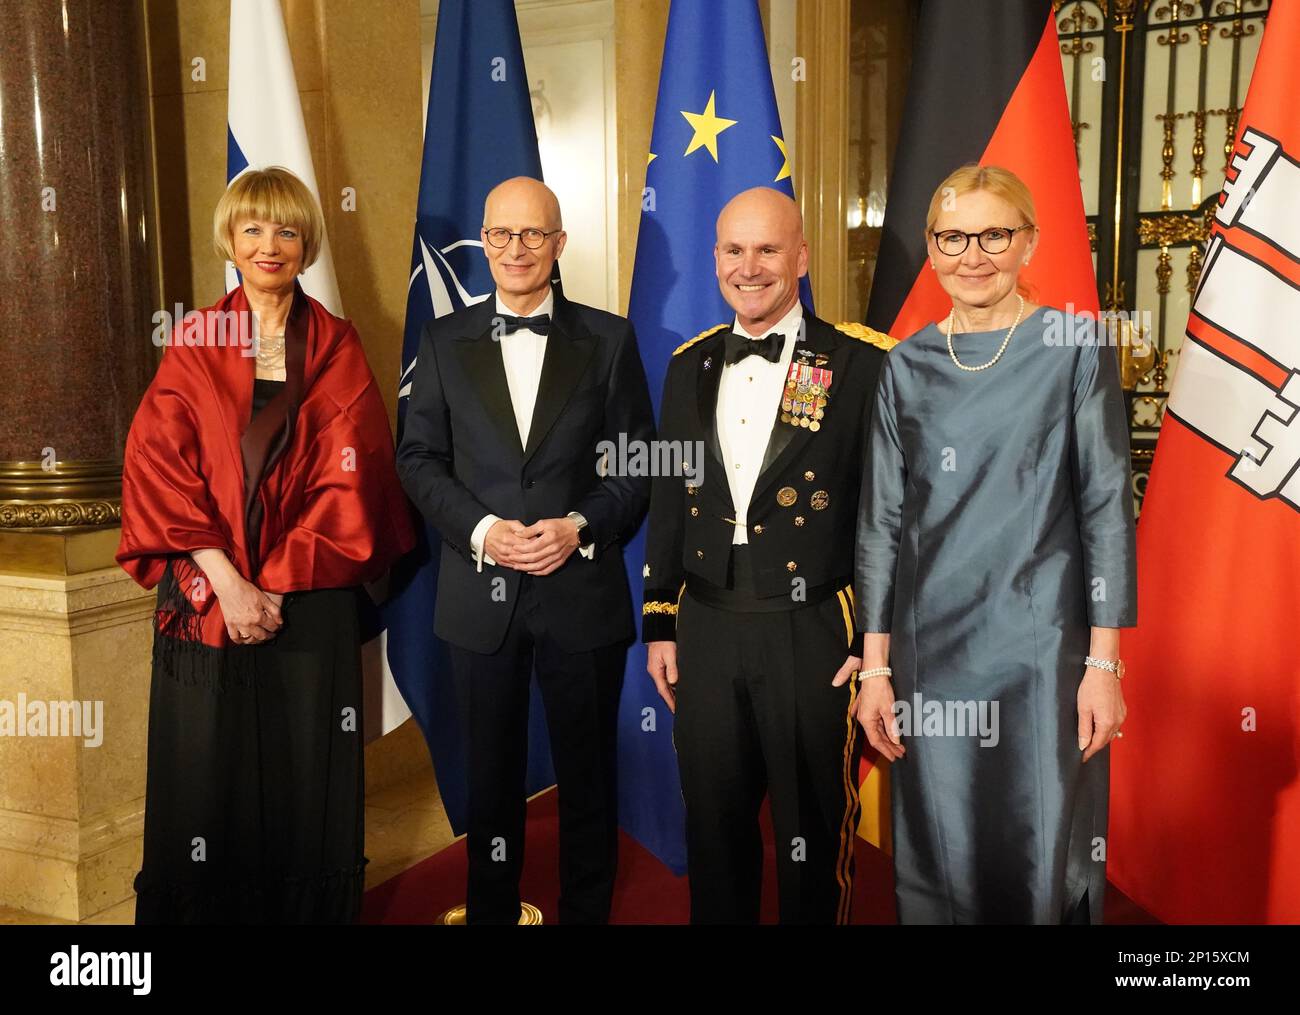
pixel 1001 349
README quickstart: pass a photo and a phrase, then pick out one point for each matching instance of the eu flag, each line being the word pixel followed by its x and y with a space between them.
pixel 716 133
pixel 478 131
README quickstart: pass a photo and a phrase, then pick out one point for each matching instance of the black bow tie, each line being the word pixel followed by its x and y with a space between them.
pixel 540 324
pixel 740 346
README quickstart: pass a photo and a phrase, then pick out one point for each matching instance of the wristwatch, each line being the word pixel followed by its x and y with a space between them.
pixel 585 538
pixel 1115 666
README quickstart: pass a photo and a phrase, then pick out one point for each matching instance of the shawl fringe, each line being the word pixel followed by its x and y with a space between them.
pixel 179 652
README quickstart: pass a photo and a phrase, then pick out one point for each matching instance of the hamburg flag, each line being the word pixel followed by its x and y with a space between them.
pixel 716 133
pixel 1007 54
pixel 478 131
pixel 1205 801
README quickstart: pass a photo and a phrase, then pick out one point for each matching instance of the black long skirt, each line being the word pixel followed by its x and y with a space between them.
pixel 254 806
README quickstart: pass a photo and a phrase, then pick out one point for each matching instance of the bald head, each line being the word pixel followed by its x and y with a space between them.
pixel 528 215
pixel 522 195
pixel 760 256
pixel 761 204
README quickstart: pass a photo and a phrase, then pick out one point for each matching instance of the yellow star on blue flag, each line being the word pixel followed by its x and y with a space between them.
pixel 707 126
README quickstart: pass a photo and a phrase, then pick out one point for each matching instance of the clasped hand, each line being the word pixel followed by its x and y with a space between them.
pixel 538 549
pixel 251 615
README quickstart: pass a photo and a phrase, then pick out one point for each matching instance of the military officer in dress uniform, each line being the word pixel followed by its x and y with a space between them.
pixel 748 608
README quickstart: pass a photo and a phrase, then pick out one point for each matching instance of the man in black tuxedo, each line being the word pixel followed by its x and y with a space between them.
pixel 509 401
pixel 748 609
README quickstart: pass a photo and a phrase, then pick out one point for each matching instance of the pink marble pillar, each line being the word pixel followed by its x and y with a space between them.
pixel 76 296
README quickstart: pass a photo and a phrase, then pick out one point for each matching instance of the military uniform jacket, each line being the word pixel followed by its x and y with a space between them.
pixel 802 516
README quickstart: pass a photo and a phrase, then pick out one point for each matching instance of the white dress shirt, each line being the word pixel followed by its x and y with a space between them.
pixel 522 353
pixel 749 400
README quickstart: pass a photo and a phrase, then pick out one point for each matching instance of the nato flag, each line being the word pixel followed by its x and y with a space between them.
pixel 479 131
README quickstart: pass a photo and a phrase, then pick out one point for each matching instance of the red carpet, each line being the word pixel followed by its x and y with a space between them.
pixel 646 893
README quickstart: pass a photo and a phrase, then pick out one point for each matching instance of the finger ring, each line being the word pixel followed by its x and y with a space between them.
pixel 1119 733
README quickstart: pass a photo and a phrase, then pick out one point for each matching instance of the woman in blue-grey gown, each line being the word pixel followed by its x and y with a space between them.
pixel 995 565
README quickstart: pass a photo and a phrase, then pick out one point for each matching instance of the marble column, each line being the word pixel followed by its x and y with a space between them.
pixel 78 298
pixel 76 355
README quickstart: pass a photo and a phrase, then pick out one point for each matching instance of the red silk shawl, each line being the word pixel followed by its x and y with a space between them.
pixel 301 495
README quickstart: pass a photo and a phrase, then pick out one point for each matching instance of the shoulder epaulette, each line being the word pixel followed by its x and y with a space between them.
pixel 869 335
pixel 700 337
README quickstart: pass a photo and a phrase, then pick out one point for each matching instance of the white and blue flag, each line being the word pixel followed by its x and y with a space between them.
pixel 265 128
pixel 264 125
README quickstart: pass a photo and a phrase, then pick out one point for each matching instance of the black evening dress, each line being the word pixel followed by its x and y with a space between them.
pixel 255 792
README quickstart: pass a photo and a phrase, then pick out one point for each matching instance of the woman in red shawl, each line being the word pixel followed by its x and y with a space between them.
pixel 258 495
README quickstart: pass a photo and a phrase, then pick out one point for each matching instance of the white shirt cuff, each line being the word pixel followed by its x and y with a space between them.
pixel 587 551
pixel 476 540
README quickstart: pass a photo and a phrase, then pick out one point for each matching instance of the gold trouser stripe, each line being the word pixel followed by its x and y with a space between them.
pixel 844 859
pixel 845 596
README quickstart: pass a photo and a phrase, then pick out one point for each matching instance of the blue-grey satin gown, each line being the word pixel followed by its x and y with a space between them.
pixel 996 525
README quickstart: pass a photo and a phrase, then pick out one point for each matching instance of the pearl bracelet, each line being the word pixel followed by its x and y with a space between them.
pixel 878 671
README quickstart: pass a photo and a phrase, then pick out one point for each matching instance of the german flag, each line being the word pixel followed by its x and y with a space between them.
pixel 987 87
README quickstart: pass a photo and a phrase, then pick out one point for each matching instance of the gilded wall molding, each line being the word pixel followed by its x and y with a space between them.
pixel 821 164
pixel 63 496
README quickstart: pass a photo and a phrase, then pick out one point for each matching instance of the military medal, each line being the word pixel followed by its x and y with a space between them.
pixel 820 500
pixel 786 496
pixel 804 401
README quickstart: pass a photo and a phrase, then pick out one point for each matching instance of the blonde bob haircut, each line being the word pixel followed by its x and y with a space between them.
pixel 995 180
pixel 272 194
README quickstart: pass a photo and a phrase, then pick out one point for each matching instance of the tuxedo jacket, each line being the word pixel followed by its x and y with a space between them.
pixel 460 458
pixel 802 516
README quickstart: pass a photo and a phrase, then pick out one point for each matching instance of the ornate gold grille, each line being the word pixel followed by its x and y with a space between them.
pixel 1155 93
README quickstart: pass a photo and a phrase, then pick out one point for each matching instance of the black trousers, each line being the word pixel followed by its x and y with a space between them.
pixel 580 691
pixel 757 715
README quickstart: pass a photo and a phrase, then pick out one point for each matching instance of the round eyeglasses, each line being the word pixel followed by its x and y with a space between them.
pixel 530 238
pixel 992 241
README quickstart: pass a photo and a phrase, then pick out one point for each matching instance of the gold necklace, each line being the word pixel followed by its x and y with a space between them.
pixel 1001 349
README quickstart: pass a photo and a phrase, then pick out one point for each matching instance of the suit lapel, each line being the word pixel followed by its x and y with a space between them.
pixel 710 376
pixel 788 441
pixel 569 348
pixel 480 357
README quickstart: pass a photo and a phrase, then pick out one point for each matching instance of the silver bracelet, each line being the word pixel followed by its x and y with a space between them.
pixel 877 671
pixel 1115 666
